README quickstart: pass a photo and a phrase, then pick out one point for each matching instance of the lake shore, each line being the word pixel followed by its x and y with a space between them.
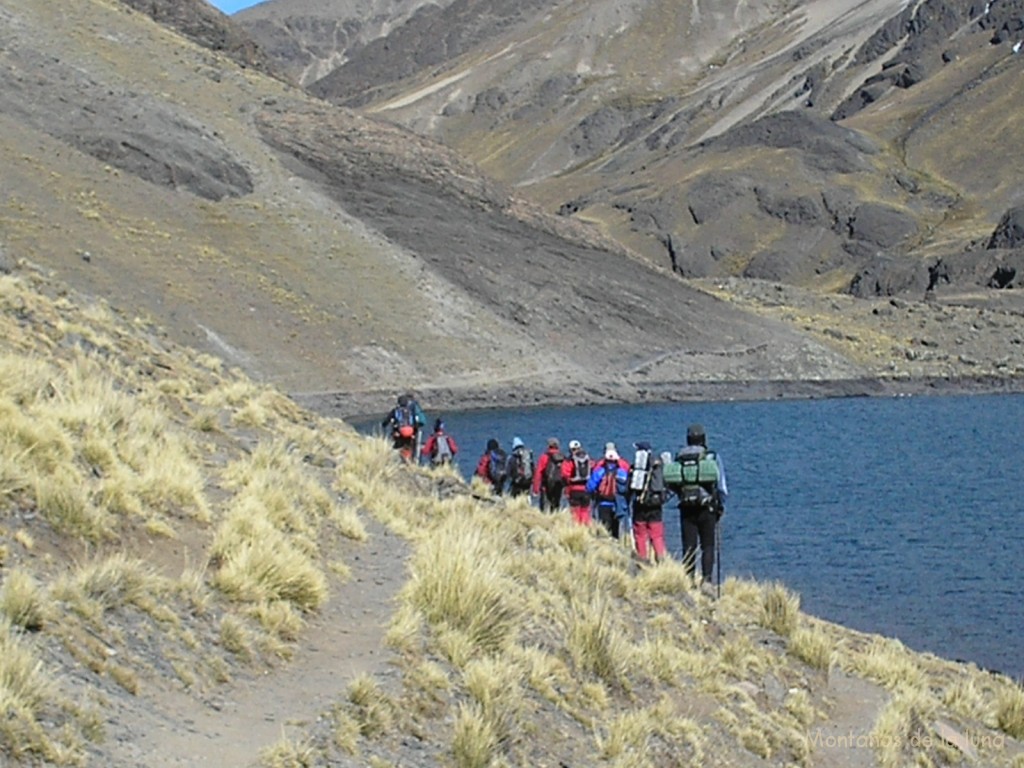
pixel 368 405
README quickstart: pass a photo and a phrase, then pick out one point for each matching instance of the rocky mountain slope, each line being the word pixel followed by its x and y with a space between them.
pixel 836 144
pixel 343 257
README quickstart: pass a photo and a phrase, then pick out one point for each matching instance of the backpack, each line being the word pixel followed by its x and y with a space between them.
pixel 553 471
pixel 694 477
pixel 520 467
pixel 653 492
pixel 442 450
pixel 580 470
pixel 496 466
pixel 607 488
pixel 641 472
pixel 403 420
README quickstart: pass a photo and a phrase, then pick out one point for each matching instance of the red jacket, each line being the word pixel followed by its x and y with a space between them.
pixel 568 470
pixel 542 464
pixel 428 447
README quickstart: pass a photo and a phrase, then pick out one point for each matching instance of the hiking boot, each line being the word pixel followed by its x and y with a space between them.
pixel 708 588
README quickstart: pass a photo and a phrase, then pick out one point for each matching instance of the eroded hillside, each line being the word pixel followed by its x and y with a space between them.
pixel 708 140
pixel 326 251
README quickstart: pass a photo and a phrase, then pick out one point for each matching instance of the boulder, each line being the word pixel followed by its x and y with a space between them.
pixel 1009 233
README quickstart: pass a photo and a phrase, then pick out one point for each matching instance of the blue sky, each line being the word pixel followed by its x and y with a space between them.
pixel 230 6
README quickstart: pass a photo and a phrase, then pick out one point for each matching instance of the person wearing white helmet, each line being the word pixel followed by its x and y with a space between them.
pixel 575 474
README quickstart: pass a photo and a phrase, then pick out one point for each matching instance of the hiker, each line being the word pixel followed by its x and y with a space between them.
pixel 575 474
pixel 624 512
pixel 440 448
pixel 606 486
pixel 697 477
pixel 401 422
pixel 491 466
pixel 519 469
pixel 547 479
pixel 419 422
pixel 647 497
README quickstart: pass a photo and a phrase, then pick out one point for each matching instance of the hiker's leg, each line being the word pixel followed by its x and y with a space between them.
pixel 706 523
pixel 640 535
pixel 690 538
pixel 657 531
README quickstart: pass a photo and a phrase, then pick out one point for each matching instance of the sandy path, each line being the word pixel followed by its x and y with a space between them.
pixel 164 727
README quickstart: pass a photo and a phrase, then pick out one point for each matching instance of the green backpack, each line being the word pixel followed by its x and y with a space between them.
pixel 693 477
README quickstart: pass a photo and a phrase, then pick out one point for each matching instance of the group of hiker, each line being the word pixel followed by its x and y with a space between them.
pixel 626 497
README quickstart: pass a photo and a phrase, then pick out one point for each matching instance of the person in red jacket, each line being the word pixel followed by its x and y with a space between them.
pixel 492 467
pixel 547 480
pixel 440 448
pixel 575 473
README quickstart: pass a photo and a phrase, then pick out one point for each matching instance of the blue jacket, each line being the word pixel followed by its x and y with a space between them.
pixel 621 484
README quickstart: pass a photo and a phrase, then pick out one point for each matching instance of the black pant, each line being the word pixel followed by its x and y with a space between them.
pixel 699 526
pixel 550 499
pixel 518 490
pixel 607 517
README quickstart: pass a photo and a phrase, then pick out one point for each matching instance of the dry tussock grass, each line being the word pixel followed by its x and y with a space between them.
pixel 107 442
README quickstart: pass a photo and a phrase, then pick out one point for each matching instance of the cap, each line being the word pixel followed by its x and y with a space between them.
pixel 574 444
pixel 642 445
pixel 695 435
pixel 438 425
pixel 553 442
pixel 517 443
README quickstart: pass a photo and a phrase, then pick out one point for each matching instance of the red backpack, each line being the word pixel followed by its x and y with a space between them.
pixel 608 487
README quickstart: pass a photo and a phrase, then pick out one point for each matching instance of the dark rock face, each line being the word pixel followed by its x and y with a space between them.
pixel 888 277
pixel 801 210
pixel 880 225
pixel 1010 231
pixel 129 130
pixel 826 146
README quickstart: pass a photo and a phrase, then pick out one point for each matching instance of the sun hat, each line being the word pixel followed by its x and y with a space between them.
pixel 574 444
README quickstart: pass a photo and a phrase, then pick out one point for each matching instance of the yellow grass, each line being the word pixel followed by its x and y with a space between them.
pixel 780 609
pixel 475 743
pixel 23 602
pixel 1009 708
pixel 457 580
pixel 372 708
pixel 813 646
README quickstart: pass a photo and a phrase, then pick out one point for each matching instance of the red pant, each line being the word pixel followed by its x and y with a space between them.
pixel 656 532
pixel 579 504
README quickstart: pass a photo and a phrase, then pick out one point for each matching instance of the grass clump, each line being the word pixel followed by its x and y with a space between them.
pixel 813 646
pixel 780 609
pixel 372 709
pixel 596 642
pixel 1009 709
pixel 475 743
pixel 22 602
pixel 258 563
pixel 287 753
pixel 458 581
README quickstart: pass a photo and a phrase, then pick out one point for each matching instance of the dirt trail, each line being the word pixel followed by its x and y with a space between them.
pixel 165 728
pixel 844 740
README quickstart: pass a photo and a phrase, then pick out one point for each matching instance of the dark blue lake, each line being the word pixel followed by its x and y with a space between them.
pixel 900 516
